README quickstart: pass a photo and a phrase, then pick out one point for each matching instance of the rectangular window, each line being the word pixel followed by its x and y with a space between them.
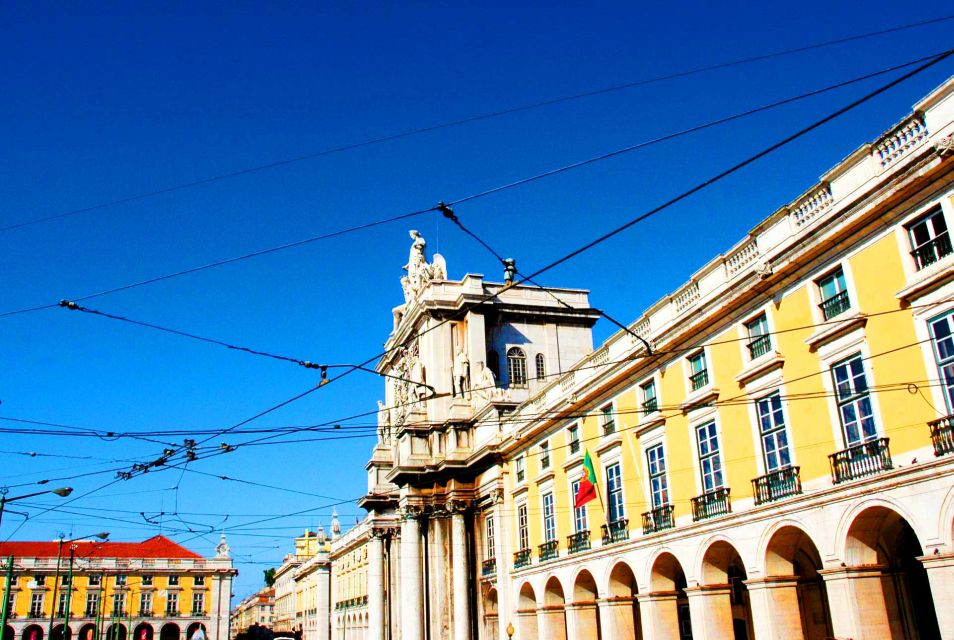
pixel 172 604
pixel 614 493
pixel 579 513
pixel 490 551
pixel 12 604
pixel 710 465
pixel 942 333
pixel 145 604
pixel 120 581
pixel 773 434
pixel 834 294
pixel 698 372
pixel 650 401
pixel 520 465
pixel 658 485
pixel 36 605
pixel 95 580
pixel 198 603
pixel 119 603
pixel 549 518
pixel 523 533
pixel 147 581
pixel 92 605
pixel 854 402
pixel 609 420
pixel 61 604
pixel 760 342
pixel 173 581
pixel 544 455
pixel 573 435
pixel 929 238
pixel 199 581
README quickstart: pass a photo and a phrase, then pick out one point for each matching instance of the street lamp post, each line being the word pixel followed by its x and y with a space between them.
pixel 69 586
pixel 62 492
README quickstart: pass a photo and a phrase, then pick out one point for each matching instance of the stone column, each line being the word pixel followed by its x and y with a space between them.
pixel 660 615
pixel 504 555
pixel 582 621
pixel 856 600
pixel 710 607
pixel 323 602
pixel 775 610
pixel 460 598
pixel 412 580
pixel 376 585
pixel 617 618
pixel 551 622
pixel 940 570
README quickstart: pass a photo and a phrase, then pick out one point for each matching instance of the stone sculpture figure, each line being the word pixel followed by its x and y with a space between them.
pixel 461 372
pixel 419 272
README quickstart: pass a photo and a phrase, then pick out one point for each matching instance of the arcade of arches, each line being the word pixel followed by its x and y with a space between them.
pixel 883 590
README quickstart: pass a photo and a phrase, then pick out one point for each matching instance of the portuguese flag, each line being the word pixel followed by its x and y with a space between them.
pixel 587 490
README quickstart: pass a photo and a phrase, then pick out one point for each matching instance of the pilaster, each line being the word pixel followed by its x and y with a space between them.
pixel 660 615
pixel 618 618
pixel 856 599
pixel 775 610
pixel 412 583
pixel 461 597
pixel 710 607
pixel 940 570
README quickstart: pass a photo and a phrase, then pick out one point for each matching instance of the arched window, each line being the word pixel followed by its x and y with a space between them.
pixel 541 366
pixel 517 367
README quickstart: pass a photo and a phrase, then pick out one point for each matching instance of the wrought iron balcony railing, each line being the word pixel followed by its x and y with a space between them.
pixel 777 485
pixel 942 435
pixel 579 541
pixel 760 346
pixel 609 427
pixel 834 305
pixel 932 250
pixel 549 550
pixel 699 379
pixel 574 446
pixel 522 558
pixel 711 504
pixel 658 519
pixel 651 405
pixel 865 459
pixel 615 531
pixel 488 567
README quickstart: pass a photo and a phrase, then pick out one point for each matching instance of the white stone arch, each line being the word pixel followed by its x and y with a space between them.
pixel 850 514
pixel 518 594
pixel 553 575
pixel 761 551
pixel 698 567
pixel 645 578
pixel 945 526
pixel 630 559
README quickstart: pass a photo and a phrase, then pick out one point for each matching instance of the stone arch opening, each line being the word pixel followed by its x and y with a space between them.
pixel 87 632
pixel 527 612
pixel 143 631
pixel 115 632
pixel 32 632
pixel 669 606
pixel 9 633
pixel 169 631
pixel 553 614
pixel 725 601
pixel 622 603
pixel 491 613
pixel 793 590
pixel 195 631
pixel 882 554
pixel 60 632
pixel 583 615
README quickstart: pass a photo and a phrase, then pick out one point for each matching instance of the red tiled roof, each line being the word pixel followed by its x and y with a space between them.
pixel 155 547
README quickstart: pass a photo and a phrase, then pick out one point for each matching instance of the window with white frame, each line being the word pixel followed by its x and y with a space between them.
pixel 698 371
pixel 579 513
pixel 710 463
pixel 517 367
pixel 541 364
pixel 929 238
pixel 854 402
pixel 36 605
pixel 147 581
pixel 489 536
pixel 172 603
pixel 834 294
pixel 650 402
pixel 119 603
pixel 95 580
pixel 608 418
pixel 523 532
pixel 92 605
pixel 198 603
pixel 545 454
pixel 760 342
pixel 173 581
pixel 520 465
pixel 61 604
pixel 942 335
pixel 145 603
pixel 614 493
pixel 120 580
pixel 658 483
pixel 573 438
pixel 772 433
pixel 549 518
pixel 199 581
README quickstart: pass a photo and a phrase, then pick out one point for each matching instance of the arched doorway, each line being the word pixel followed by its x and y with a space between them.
pixel 9 633
pixel 32 632
pixel 527 612
pixel 553 614
pixel 196 631
pixel 723 604
pixel 169 631
pixel 881 554
pixel 584 616
pixel 491 615
pixel 622 603
pixel 793 592
pixel 669 607
pixel 115 632
pixel 58 633
pixel 143 631
pixel 87 632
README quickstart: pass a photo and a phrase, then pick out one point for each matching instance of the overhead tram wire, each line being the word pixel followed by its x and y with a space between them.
pixel 487 192
pixel 471 119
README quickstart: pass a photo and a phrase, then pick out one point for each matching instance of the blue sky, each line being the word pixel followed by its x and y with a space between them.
pixel 107 100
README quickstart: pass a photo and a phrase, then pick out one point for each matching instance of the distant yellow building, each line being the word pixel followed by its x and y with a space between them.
pixel 156 590
pixel 256 609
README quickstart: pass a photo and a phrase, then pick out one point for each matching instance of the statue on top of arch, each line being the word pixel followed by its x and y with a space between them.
pixel 419 272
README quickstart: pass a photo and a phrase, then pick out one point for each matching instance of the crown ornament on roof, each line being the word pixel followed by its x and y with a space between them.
pixel 222 549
